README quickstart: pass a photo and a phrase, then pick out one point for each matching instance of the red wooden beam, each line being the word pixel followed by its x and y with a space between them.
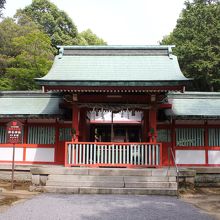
pixel 165 106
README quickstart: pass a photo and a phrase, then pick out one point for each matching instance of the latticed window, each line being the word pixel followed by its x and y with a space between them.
pixel 189 136
pixel 41 135
pixel 163 135
pixel 65 134
pixel 214 136
pixel 2 135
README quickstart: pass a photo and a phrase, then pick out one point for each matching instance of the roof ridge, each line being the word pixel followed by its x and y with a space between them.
pixel 162 50
pixel 131 47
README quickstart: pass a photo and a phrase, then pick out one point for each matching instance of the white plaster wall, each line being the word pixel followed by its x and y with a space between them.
pixel 40 154
pixel 190 156
pixel 6 154
pixel 214 156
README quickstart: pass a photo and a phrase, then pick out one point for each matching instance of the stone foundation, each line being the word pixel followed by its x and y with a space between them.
pixel 187 178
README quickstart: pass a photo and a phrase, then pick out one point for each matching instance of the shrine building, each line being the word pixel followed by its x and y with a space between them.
pixel 113 106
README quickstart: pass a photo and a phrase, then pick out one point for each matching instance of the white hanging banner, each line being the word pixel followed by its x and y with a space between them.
pixel 120 117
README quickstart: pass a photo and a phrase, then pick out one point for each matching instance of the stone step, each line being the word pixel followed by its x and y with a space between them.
pixel 97 190
pixel 132 172
pixel 84 178
pixel 112 181
pixel 161 185
pixel 150 178
pixel 108 184
pixel 104 171
pixel 112 178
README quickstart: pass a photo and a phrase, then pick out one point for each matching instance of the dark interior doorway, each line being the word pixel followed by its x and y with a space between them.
pixel 115 133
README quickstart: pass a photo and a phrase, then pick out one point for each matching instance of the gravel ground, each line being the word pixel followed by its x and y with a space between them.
pixel 207 199
pixel 102 207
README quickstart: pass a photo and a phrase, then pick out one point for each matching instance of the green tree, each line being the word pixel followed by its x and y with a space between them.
pixel 87 37
pixel 8 31
pixel 54 22
pixel 27 53
pixel 2 3
pixel 27 43
pixel 197 40
pixel 34 60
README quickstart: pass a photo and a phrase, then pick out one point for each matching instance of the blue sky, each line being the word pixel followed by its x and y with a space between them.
pixel 119 22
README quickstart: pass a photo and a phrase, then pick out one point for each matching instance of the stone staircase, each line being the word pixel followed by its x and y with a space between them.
pixel 111 181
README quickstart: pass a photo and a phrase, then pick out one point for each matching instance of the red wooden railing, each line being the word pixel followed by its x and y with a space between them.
pixel 110 154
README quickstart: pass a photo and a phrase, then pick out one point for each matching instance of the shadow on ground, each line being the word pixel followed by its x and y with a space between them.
pixel 207 199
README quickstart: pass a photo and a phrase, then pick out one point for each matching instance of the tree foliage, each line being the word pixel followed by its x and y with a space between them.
pixel 27 43
pixel 197 40
pixel 25 53
pixel 87 37
pixel 2 3
pixel 54 22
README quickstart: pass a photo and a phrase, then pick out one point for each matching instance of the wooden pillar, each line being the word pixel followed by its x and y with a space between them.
pixel 75 122
pixel 145 128
pixel 173 134
pixel 82 125
pixel 173 142
pixel 56 141
pixel 25 139
pixel 206 134
pixel 206 140
pixel 153 119
pixel 153 124
pixel 112 127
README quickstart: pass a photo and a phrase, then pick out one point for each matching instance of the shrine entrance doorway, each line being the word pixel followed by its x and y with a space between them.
pixel 115 133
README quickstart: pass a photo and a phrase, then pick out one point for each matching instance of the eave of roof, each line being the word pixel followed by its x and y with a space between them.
pixel 29 104
pixel 31 116
pixel 194 95
pixel 111 83
pixel 194 105
pixel 29 94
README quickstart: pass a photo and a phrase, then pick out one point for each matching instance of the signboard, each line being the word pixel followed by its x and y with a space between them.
pixel 14 132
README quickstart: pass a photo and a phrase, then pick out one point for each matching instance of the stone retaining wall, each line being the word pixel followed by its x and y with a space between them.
pixel 207 177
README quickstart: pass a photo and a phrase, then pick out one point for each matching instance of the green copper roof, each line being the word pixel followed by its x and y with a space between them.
pixel 114 65
pixel 29 104
pixel 194 105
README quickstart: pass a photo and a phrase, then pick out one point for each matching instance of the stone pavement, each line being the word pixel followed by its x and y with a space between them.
pixel 103 207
